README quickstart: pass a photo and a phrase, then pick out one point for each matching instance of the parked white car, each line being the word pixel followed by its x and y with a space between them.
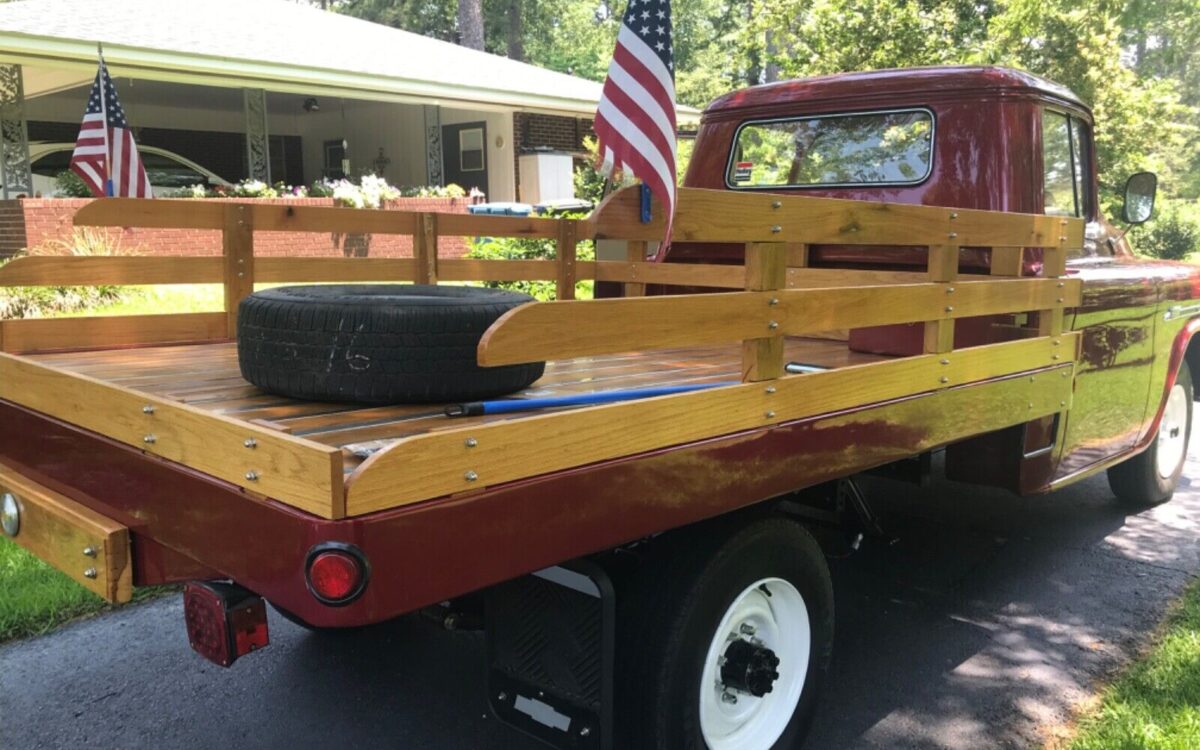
pixel 169 172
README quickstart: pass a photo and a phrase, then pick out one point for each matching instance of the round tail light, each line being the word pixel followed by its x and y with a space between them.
pixel 336 573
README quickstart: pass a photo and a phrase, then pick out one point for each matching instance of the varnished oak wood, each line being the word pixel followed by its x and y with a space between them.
pixel 47 334
pixel 510 450
pixel 293 471
pixel 238 251
pixel 59 530
pixel 766 270
pixel 70 270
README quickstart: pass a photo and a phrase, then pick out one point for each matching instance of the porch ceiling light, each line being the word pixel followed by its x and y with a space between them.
pixel 312 105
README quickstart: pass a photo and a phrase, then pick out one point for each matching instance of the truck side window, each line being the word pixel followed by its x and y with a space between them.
pixel 1079 161
pixel 1058 186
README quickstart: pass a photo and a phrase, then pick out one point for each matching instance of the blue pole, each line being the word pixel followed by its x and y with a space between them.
pixel 508 406
pixel 646 217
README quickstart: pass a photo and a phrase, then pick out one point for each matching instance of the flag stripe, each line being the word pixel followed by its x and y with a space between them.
pixel 105 150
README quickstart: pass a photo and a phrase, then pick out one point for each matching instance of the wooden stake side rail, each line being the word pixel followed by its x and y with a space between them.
pixel 260 460
pixel 458 460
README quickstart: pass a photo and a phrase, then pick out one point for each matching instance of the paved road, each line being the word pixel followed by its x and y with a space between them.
pixel 987 620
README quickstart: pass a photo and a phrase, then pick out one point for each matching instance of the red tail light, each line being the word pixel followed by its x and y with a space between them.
pixel 336 573
pixel 224 621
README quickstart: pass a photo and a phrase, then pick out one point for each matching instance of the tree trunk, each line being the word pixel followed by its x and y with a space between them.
pixel 470 23
pixel 516 31
pixel 772 67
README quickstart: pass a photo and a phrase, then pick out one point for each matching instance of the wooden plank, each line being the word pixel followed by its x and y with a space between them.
pixel 766 270
pixel 49 334
pixel 577 328
pixel 335 220
pixel 943 262
pixel 1054 262
pixel 237 242
pixel 746 216
pixel 163 212
pixel 797 254
pixel 942 267
pixel 425 249
pixel 567 244
pixel 274 270
pixel 506 451
pixel 70 270
pixel 469 269
pixel 1008 261
pixel 296 472
pixel 635 253
pixel 89 547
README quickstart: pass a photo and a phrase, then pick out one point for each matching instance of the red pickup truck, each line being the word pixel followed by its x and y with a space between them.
pixel 865 269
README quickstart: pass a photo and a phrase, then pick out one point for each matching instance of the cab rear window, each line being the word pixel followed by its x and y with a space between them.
pixel 864 148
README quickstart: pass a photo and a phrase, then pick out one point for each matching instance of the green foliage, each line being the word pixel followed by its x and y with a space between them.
pixel 45 301
pixel 1172 234
pixel 70 185
pixel 1156 704
pixel 511 248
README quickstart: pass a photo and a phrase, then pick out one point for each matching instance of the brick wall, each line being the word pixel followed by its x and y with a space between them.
pixel 43 222
pixel 533 131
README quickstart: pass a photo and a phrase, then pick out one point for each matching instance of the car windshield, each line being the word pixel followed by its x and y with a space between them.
pixel 854 149
pixel 163 171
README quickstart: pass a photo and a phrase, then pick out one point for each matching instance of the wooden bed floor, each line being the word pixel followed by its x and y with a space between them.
pixel 206 376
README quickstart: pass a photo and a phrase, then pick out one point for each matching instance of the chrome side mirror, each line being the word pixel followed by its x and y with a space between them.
pixel 1140 192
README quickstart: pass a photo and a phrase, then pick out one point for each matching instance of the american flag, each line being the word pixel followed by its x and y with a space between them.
pixel 107 158
pixel 635 122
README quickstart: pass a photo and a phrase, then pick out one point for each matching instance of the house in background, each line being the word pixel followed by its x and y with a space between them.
pixel 276 90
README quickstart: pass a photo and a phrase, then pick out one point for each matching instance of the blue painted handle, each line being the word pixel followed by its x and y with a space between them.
pixel 508 406
pixel 646 217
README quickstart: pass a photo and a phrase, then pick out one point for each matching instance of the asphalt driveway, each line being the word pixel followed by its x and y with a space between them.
pixel 987 620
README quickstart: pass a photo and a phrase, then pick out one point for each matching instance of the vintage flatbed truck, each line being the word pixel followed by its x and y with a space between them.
pixel 924 246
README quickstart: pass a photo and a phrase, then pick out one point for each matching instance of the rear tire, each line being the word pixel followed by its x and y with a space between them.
pixel 765 584
pixel 1150 478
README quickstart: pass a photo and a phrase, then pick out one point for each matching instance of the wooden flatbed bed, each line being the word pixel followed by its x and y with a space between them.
pixel 169 384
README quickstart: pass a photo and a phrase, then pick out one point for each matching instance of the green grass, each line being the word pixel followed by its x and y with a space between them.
pixel 35 598
pixel 155 300
pixel 1156 704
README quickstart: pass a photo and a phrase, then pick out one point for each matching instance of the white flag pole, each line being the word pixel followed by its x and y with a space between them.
pixel 108 181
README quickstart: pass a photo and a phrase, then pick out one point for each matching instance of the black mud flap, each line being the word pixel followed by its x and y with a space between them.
pixel 550 639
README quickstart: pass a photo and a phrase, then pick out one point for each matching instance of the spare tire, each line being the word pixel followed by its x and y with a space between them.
pixel 376 343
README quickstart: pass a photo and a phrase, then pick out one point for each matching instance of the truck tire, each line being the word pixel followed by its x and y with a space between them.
pixel 1150 478
pixel 376 343
pixel 700 632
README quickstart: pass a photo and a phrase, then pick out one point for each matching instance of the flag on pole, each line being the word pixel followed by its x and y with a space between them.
pixel 105 157
pixel 635 122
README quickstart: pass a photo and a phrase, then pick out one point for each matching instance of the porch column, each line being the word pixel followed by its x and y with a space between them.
pixel 433 145
pixel 258 151
pixel 15 176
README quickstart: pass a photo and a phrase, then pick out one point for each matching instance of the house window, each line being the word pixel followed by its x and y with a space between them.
pixel 862 148
pixel 470 150
pixel 1064 157
pixel 335 160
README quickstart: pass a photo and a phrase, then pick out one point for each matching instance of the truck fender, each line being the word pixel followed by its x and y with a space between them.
pixel 1181 350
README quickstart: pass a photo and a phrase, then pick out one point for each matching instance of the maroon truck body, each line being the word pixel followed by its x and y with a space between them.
pixel 189 526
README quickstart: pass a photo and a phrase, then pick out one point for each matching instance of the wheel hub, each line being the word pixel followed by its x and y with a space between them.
pixel 750 668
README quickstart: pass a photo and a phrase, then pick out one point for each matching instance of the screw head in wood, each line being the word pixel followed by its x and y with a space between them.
pixel 772 325
pixel 953 215
pixel 252 476
pixel 776 229
pixel 149 440
pixel 773 301
pixel 770 415
pixel 1061 284
pixel 944 379
pixel 250 443
pixel 1062 403
pixel 949 290
pixel 89 551
pixel 953 235
pixel 147 409
pixel 949 308
pixel 945 361
pixel 90 573
pixel 1030 404
pixel 770 389
pixel 776 204
pixel 1060 300
pixel 470 476
pixel 470 442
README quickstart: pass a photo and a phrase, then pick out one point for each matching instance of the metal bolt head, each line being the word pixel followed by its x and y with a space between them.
pixel 1030 404
pixel 470 442
pixel 945 361
pixel 944 379
pixel 89 551
pixel 770 389
pixel 949 290
pixel 149 439
pixel 502 697
pixel 776 204
pixel 1061 285
pixel 250 443
pixel 747 629
pixel 949 308
pixel 585 731
pixel 1062 403
pixel 772 325
pixel 770 415
pixel 10 514
pixel 774 301
pixel 776 229
pixel 147 409
pixel 953 215
pixel 470 476
pixel 953 235
pixel 90 573
pixel 728 697
pixel 1060 300
pixel 252 476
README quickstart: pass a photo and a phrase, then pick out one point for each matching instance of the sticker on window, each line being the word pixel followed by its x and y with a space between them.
pixel 742 170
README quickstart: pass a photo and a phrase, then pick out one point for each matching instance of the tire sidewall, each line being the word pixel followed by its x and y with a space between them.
pixel 782 553
pixel 1166 485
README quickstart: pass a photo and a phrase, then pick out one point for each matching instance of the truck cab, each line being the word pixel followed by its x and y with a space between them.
pixel 984 138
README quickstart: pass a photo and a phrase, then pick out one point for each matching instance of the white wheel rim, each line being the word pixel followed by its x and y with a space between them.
pixel 779 620
pixel 1172 433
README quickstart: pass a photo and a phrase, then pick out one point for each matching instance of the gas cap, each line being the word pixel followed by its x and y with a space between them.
pixel 10 514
